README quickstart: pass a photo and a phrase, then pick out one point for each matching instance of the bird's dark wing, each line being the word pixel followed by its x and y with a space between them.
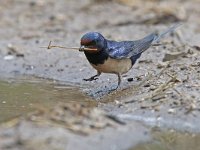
pixel 128 49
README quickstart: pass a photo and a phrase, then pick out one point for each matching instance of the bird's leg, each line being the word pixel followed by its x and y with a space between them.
pixel 93 77
pixel 119 80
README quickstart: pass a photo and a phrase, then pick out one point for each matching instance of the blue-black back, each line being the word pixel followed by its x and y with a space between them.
pixel 129 49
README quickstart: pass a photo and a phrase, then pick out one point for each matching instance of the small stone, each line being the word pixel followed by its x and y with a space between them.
pixel 117 102
pixel 190 51
pixel 138 78
pixel 52 17
pixel 147 85
pixel 60 70
pixel 32 3
pixel 130 79
pixel 152 87
pixel 9 57
pixel 176 103
pixel 171 111
pixel 183 68
pixel 157 108
pixel 162 65
pixel 10 46
pixel 12 49
pixel 192 106
pixel 196 47
pixel 19 55
pixel 37 41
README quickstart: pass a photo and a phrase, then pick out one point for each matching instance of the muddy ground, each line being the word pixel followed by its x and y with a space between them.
pixel 162 89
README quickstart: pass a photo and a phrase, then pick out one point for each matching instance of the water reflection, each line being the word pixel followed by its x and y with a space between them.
pixel 171 140
pixel 21 96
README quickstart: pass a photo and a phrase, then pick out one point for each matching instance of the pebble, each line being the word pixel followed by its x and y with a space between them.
pixel 171 111
pixel 8 57
pixel 130 79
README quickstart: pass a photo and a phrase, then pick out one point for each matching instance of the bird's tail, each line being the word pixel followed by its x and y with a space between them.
pixel 169 30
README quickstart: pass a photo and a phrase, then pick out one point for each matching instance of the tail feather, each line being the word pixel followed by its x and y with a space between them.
pixel 142 45
pixel 169 30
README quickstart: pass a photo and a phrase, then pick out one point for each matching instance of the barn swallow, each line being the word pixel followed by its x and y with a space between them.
pixel 108 56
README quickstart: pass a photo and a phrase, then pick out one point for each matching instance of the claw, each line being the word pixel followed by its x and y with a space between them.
pixel 93 77
pixel 90 79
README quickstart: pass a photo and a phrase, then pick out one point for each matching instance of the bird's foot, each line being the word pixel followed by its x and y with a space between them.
pixel 91 79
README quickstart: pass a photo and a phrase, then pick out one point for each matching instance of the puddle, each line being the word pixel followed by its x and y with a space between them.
pixel 171 140
pixel 18 97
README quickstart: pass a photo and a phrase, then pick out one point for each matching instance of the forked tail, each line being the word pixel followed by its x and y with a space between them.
pixel 142 45
pixel 169 30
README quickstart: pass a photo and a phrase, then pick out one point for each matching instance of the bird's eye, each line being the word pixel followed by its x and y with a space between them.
pixel 93 43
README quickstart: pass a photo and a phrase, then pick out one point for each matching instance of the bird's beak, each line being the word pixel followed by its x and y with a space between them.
pixel 81 49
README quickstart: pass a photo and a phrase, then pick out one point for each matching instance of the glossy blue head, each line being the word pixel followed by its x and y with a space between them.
pixel 93 40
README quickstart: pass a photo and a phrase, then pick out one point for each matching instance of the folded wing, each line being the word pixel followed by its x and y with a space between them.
pixel 127 49
pixel 133 49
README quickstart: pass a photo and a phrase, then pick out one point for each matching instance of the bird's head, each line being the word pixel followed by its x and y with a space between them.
pixel 94 41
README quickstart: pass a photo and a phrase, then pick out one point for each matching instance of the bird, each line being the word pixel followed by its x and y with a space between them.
pixel 116 57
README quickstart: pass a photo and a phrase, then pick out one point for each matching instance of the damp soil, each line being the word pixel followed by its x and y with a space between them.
pixel 161 90
pixel 22 96
pixel 165 140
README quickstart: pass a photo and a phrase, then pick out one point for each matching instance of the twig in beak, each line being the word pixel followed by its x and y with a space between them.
pixel 56 46
pixel 63 47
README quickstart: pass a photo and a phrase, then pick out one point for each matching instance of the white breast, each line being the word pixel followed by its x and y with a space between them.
pixel 114 66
